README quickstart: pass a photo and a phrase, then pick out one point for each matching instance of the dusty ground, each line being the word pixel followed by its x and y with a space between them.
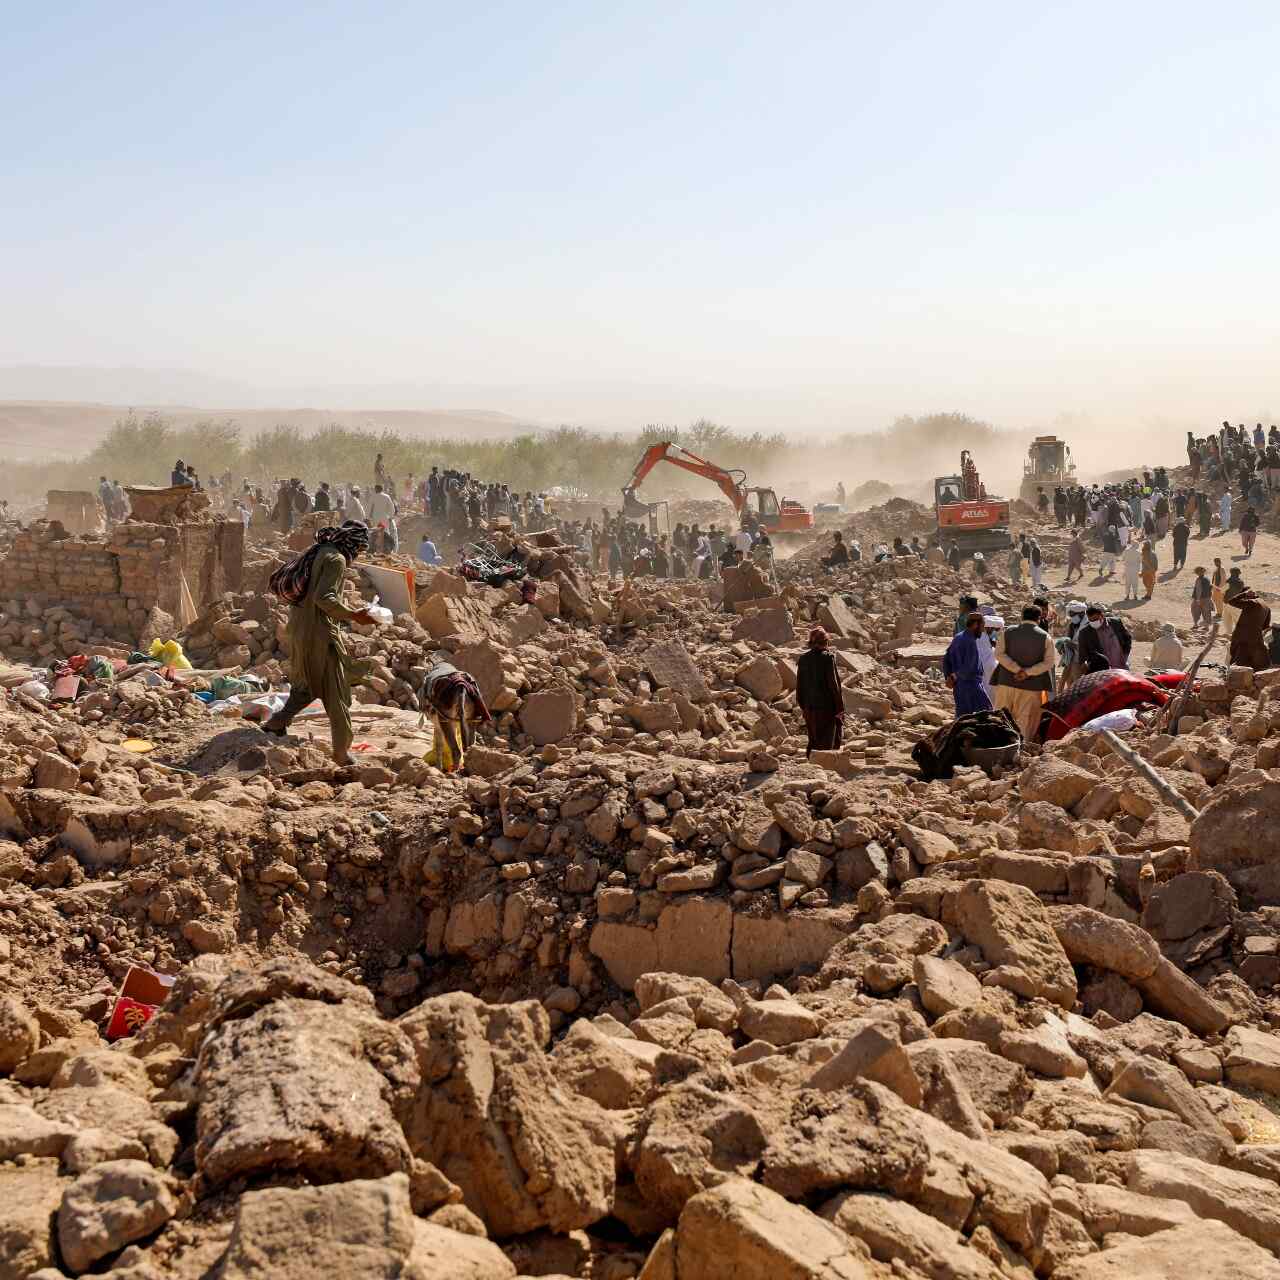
pixel 1171 601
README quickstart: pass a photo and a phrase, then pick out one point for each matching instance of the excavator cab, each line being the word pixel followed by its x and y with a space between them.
pixel 947 489
pixel 966 515
pixel 766 505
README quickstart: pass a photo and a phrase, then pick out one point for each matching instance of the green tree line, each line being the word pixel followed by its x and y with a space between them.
pixel 142 450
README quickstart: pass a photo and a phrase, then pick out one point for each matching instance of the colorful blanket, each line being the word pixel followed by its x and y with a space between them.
pixel 1093 695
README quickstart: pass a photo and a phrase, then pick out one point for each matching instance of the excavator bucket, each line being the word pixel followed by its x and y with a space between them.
pixel 632 507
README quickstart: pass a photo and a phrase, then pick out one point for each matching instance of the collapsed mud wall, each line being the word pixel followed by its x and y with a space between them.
pixel 77 510
pixel 117 579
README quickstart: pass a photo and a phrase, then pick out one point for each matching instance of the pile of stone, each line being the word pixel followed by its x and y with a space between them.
pixel 642 994
pixel 31 632
pixel 897 518
pixel 931 1099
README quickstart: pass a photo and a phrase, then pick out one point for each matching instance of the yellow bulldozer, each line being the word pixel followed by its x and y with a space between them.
pixel 1048 465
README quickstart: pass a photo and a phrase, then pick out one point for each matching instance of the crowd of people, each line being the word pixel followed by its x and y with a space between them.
pixel 989 665
pixel 1131 519
pixel 459 506
pixel 456 502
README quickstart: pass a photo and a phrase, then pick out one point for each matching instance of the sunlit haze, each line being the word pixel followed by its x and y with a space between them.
pixel 803 217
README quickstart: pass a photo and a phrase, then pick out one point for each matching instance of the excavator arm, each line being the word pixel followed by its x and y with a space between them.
pixel 732 483
pixel 974 489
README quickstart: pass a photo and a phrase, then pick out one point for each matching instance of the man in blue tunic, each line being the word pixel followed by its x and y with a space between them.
pixel 962 667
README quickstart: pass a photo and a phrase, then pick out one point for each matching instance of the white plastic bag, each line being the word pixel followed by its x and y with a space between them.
pixel 263 708
pixel 380 612
pixel 1117 721
pixel 35 689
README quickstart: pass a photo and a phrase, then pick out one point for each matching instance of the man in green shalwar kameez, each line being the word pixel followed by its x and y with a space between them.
pixel 319 666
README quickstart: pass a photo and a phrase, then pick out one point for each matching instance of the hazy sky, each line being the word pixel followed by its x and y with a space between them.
pixel 818 214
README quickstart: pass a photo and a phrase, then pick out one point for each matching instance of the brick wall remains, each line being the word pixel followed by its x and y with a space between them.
pixel 116 579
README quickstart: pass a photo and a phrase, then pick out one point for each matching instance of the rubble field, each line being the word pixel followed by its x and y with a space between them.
pixel 640 991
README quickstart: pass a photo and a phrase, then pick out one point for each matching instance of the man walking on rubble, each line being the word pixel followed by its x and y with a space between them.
pixel 318 663
pixel 819 696
pixel 1025 659
pixel 1075 557
pixel 1015 565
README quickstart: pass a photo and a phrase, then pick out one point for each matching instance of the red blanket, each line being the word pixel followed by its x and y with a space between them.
pixel 1094 695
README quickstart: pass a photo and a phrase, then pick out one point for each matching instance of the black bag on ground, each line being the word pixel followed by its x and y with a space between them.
pixel 938 754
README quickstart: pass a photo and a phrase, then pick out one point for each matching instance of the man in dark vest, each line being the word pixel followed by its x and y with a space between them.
pixel 1025 658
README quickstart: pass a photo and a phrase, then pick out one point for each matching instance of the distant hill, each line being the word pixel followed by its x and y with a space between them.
pixel 89 384
pixel 35 429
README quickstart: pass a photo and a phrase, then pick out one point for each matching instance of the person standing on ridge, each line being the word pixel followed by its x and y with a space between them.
pixel 818 694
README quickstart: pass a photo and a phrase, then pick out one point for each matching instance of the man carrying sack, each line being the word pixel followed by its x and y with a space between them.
pixel 319 666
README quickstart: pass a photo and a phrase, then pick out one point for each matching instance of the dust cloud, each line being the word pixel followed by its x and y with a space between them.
pixel 903 459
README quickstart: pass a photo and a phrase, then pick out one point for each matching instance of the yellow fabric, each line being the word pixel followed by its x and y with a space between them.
pixel 170 653
pixel 440 754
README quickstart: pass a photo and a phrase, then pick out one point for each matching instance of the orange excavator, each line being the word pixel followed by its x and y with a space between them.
pixel 966 515
pixel 787 516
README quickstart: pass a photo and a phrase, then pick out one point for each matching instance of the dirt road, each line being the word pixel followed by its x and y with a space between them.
pixel 1172 599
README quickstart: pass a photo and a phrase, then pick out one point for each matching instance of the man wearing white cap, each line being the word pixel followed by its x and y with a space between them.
pixel 994 625
pixel 1132 568
pixel 1069 645
pixel 1166 652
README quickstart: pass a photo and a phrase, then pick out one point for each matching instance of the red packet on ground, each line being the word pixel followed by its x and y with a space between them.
pixel 141 994
pixel 66 688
